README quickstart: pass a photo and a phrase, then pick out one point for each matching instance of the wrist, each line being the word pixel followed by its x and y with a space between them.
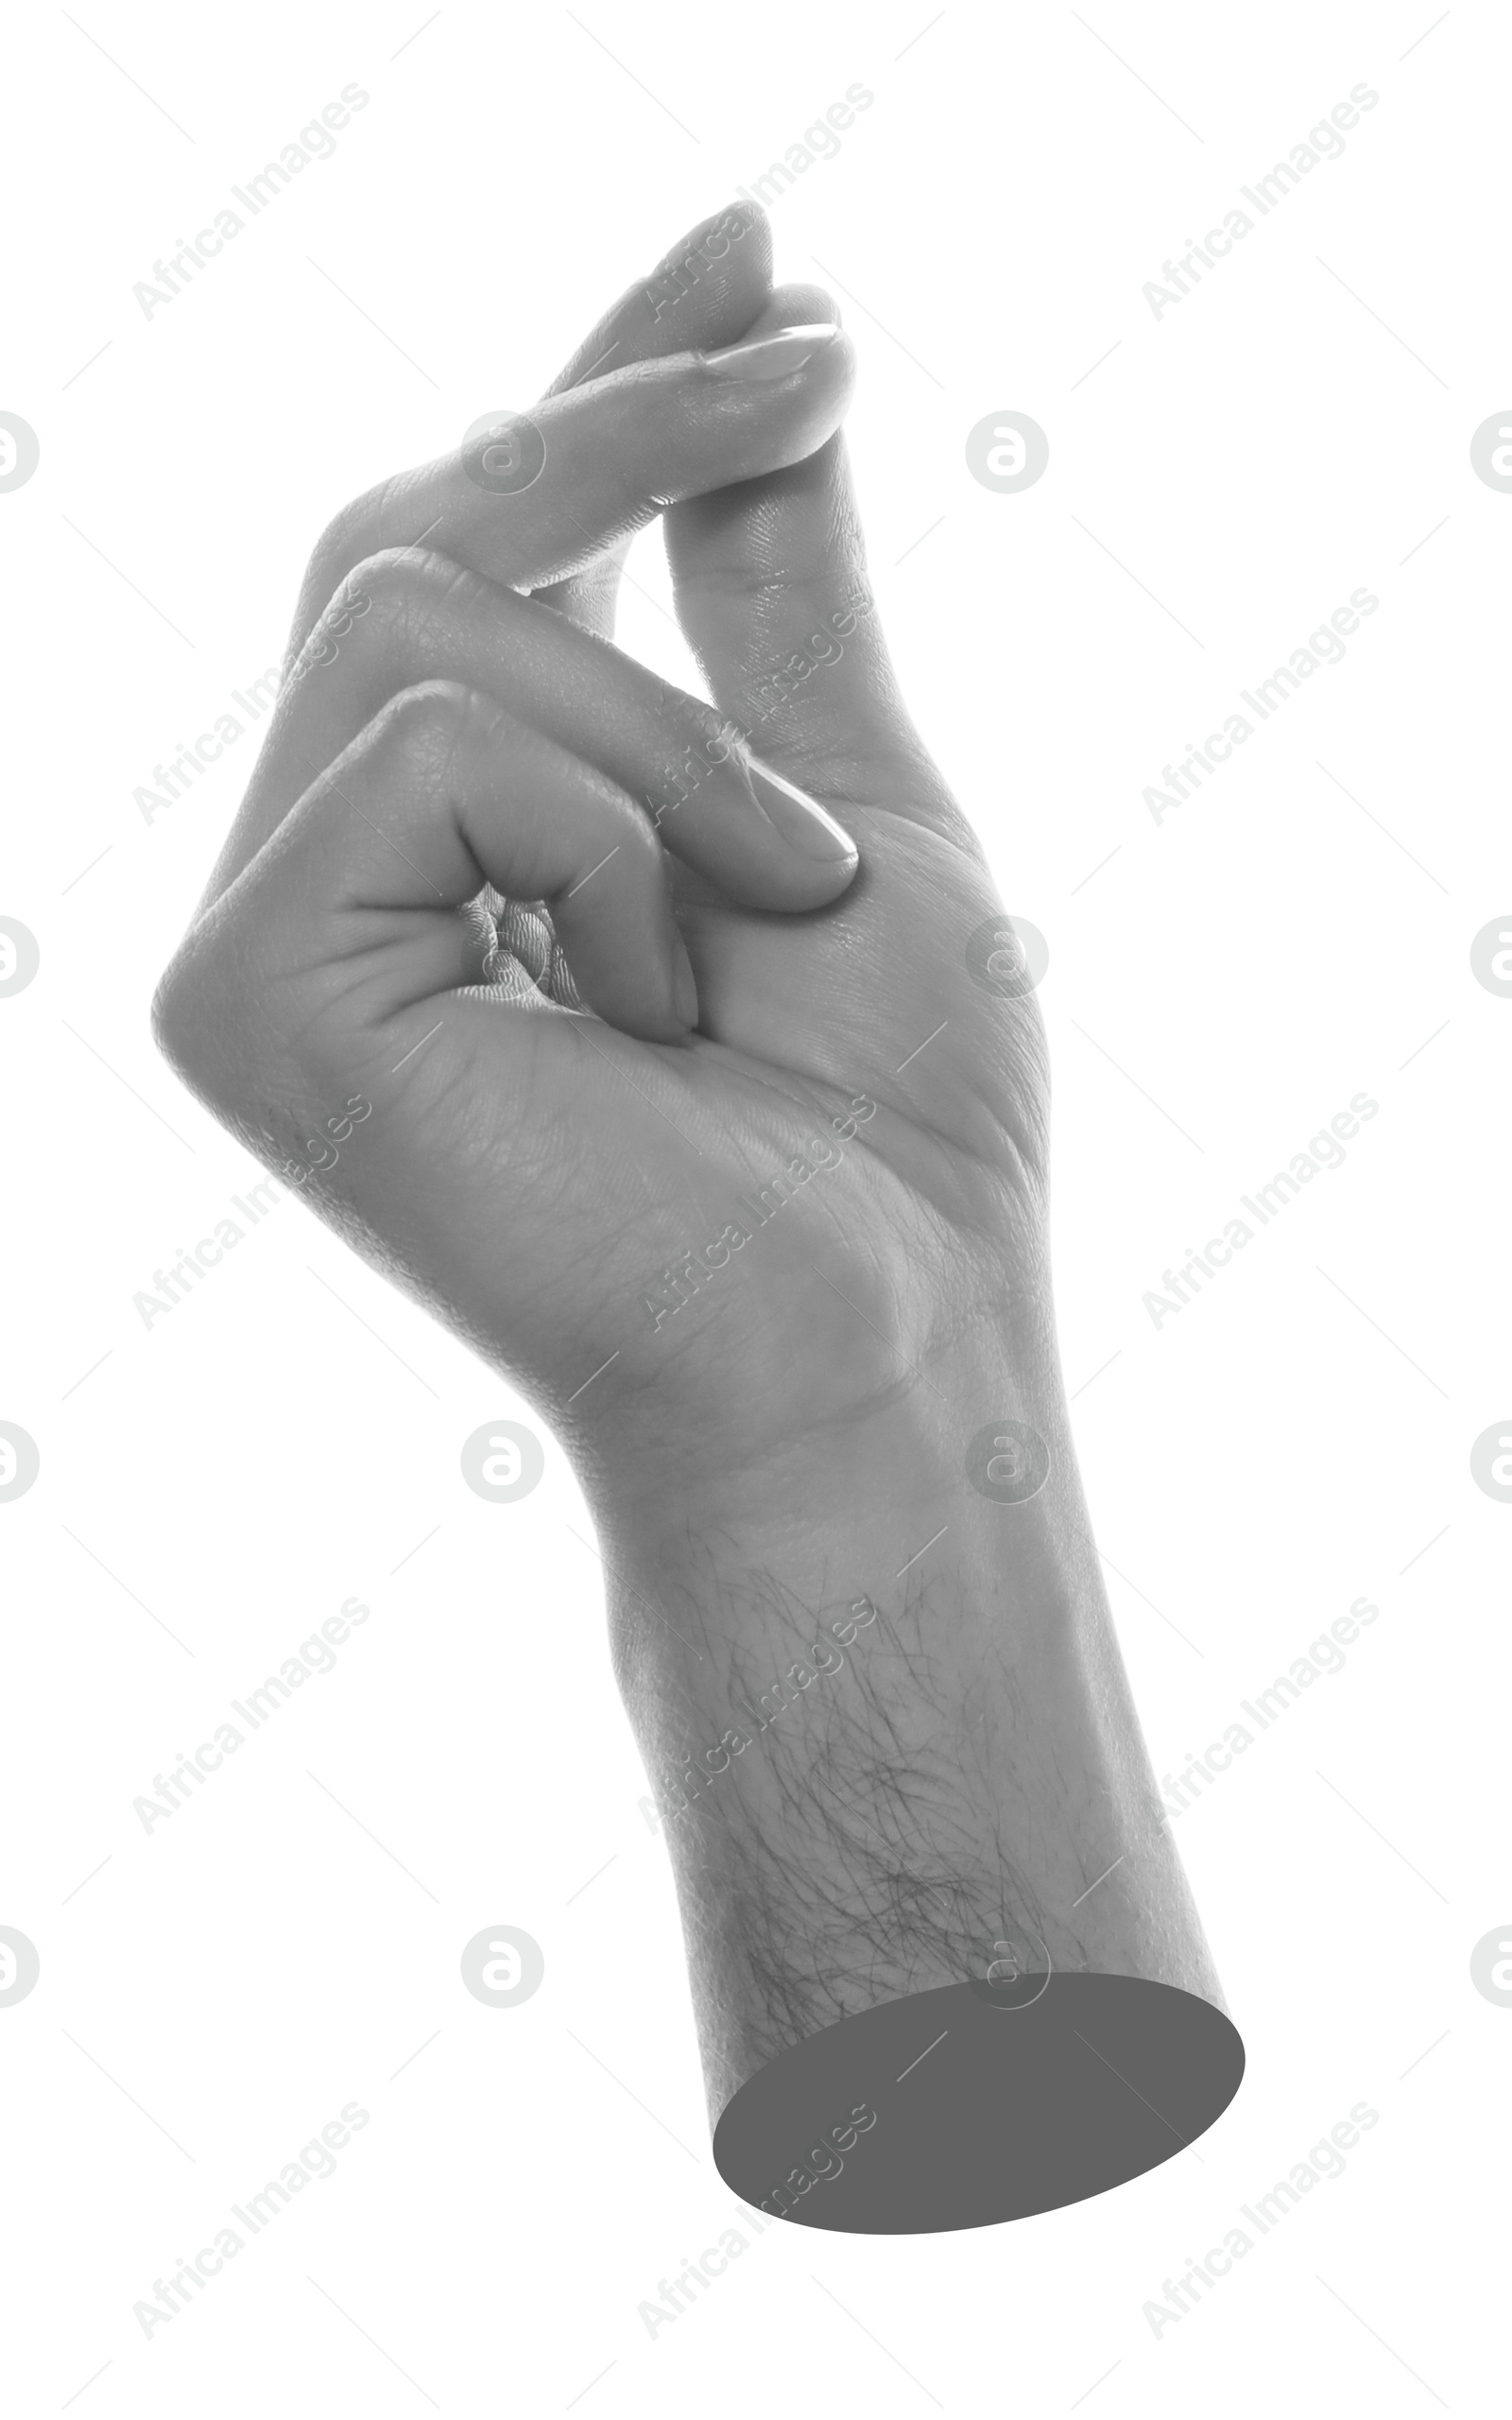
pixel 885 1721
pixel 975 1476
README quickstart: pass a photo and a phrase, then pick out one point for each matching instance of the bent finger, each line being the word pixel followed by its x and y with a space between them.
pixel 530 501
pixel 704 291
pixel 411 616
pixel 349 915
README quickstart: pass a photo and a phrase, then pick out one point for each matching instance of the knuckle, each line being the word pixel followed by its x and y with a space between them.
pixel 184 1019
pixel 167 1014
pixel 387 571
pixel 427 726
pixel 404 583
pixel 383 581
pixel 407 572
pixel 389 579
pixel 346 538
pixel 427 708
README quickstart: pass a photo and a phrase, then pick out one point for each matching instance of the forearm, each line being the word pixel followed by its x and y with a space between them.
pixel 863 1804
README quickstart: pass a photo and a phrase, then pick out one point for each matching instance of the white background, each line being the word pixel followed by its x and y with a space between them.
pixel 1218 484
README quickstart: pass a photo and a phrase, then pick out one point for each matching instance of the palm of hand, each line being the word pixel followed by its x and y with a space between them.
pixel 760 1233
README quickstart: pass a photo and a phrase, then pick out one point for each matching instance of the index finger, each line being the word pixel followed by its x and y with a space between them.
pixel 706 290
pixel 505 503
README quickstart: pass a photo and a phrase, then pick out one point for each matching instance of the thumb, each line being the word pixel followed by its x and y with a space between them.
pixel 773 596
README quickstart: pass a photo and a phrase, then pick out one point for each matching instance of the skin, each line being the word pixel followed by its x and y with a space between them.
pixel 456 742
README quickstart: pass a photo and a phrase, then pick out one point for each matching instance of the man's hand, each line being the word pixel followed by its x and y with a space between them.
pixel 531 1170
pixel 765 1233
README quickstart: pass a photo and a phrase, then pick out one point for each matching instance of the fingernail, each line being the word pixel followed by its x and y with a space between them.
pixel 775 356
pixel 800 820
